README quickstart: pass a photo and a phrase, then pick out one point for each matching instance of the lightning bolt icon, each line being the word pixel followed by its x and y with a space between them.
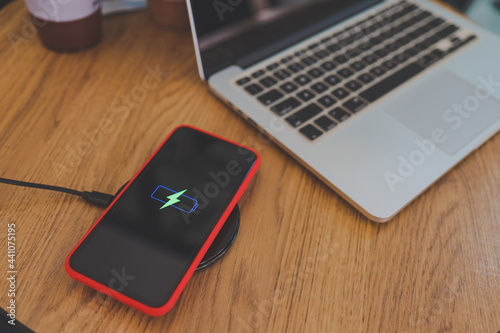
pixel 172 199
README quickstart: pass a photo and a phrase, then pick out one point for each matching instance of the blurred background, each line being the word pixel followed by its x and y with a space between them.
pixel 3 3
pixel 484 12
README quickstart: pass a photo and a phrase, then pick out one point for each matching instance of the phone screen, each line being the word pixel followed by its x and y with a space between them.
pixel 143 246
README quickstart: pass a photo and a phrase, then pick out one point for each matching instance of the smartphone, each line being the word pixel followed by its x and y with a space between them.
pixel 146 245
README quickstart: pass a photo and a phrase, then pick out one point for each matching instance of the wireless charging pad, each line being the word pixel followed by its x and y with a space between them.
pixel 222 242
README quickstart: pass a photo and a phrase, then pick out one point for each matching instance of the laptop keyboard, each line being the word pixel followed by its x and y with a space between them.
pixel 325 83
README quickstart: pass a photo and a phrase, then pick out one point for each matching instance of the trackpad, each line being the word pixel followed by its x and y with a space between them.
pixel 447 109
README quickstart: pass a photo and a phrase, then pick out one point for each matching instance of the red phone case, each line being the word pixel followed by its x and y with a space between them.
pixel 158 311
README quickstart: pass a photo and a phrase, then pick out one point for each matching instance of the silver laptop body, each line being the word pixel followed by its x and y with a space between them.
pixel 398 128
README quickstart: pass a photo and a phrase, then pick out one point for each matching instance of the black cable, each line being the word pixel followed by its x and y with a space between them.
pixel 40 186
pixel 94 197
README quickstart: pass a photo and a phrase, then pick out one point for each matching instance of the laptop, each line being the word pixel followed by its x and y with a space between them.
pixel 378 99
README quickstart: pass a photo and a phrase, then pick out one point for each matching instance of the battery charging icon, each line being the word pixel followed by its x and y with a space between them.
pixel 175 199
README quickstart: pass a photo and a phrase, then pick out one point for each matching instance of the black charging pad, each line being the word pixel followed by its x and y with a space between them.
pixel 225 238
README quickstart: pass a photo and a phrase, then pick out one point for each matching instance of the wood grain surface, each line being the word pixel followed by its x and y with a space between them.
pixel 304 259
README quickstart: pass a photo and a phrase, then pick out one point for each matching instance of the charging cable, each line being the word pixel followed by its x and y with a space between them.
pixel 94 197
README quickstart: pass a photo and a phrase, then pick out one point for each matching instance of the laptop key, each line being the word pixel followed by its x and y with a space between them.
pixel 325 123
pixel 413 35
pixel 378 71
pixel 447 31
pixel 345 73
pixel 386 35
pixel 370 29
pixel 282 74
pixel 341 59
pixel 401 58
pixel 310 132
pixel 432 39
pixel 305 95
pixel 353 53
pixel 334 47
pixel 370 59
pixel 302 80
pixel 328 66
pixel 430 58
pixel 286 59
pixel 365 78
pixel 347 41
pixel 404 40
pixel 258 73
pixel 421 31
pixel 376 40
pixel 423 15
pixel 389 64
pixel 313 46
pixel 421 46
pixel 308 61
pixel 378 90
pixel 303 115
pixel 254 89
pixel 339 114
pixel 340 93
pixel 286 106
pixel 326 101
pixel 358 66
pixel 394 31
pixel 272 66
pixel 353 85
pixel 410 8
pixel 268 82
pixel 381 53
pixel 365 46
pixel 319 87
pixel 243 81
pixel 458 44
pixel 321 54
pixel 315 72
pixel 295 67
pixel 435 23
pixel 270 97
pixel 357 36
pixel 354 105
pixel 288 87
pixel 405 25
pixel 392 46
pixel 332 80
pixel 338 34
pixel 301 52
pixel 412 51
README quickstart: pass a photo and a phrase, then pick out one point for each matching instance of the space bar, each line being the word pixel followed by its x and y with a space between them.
pixel 391 82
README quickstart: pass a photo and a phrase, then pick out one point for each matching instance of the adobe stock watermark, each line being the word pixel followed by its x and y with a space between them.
pixel 444 298
pixel 11 273
pixel 294 276
pixel 264 135
pixel 119 281
pixel 220 179
pixel 454 117
pixel 49 9
pixel 212 189
pixel 117 114
pixel 225 6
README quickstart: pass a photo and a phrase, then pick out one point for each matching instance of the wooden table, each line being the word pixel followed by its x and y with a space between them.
pixel 304 259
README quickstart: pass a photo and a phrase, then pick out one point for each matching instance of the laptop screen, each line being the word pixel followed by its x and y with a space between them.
pixel 244 32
